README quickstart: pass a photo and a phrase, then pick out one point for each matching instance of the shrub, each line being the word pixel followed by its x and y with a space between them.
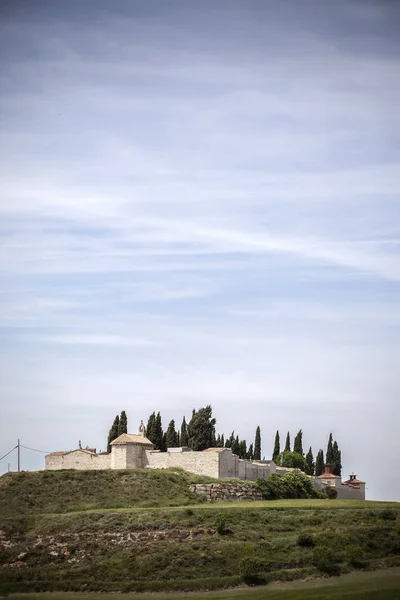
pixel 356 557
pixel 306 540
pixel 330 492
pixel 250 571
pixel 326 561
pixel 388 514
pixel 293 460
pixel 291 485
pixel 221 523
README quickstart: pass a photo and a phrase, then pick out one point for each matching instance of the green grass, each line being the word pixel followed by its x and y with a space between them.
pixel 125 531
pixel 66 491
pixel 377 585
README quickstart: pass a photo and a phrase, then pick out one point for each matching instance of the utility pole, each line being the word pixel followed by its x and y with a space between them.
pixel 19 456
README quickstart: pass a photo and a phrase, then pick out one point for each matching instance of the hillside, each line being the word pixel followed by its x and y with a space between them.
pixel 69 491
pixel 103 531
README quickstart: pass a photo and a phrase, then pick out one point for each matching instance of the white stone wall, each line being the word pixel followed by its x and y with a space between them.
pixel 78 460
pixel 346 492
pixel 200 463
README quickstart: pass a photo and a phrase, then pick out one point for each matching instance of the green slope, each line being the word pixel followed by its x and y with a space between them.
pixel 101 531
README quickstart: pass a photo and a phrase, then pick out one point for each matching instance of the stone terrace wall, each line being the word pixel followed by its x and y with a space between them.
pixel 226 491
pixel 78 459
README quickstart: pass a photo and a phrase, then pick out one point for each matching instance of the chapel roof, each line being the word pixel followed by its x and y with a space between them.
pixel 131 438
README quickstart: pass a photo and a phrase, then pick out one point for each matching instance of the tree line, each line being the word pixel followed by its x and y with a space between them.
pixel 199 433
pixel 296 458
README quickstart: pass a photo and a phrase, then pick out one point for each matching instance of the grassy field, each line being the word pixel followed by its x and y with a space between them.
pixel 75 531
pixel 376 585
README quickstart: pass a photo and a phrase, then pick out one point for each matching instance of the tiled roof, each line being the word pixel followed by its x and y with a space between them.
pixel 328 476
pixel 62 452
pixel 131 438
pixel 353 482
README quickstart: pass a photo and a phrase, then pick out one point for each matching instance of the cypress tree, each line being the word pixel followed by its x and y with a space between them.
pixel 329 451
pixel 201 429
pixel 257 444
pixel 337 460
pixel 250 452
pixel 150 429
pixel 123 423
pixel 298 443
pixel 235 446
pixel 277 447
pixel 113 433
pixel 171 439
pixel 178 439
pixel 319 463
pixel 184 433
pixel 287 444
pixel 242 449
pixel 222 444
pixel 158 440
pixel 310 462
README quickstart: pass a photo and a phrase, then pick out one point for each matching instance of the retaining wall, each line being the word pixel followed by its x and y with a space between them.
pixel 226 491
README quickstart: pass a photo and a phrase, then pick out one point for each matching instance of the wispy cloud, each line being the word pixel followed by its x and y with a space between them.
pixel 201 204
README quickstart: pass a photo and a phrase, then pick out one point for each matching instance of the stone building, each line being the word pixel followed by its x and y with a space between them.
pixel 135 451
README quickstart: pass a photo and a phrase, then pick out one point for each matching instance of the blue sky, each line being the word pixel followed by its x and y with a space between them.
pixel 200 204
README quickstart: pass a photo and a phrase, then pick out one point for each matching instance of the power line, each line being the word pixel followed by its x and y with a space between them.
pixel 8 453
pixel 34 449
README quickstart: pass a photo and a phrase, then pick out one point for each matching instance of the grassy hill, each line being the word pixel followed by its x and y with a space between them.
pixel 143 530
pixel 67 491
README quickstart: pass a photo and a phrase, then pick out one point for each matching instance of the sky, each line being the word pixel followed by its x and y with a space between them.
pixel 200 205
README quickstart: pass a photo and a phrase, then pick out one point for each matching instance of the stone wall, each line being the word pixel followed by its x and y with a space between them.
pixel 200 463
pixel 78 459
pixel 347 492
pixel 226 491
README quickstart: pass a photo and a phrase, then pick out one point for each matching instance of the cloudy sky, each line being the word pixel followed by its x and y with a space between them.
pixel 200 204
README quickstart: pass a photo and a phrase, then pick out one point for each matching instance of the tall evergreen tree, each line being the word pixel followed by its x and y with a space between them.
pixel 298 443
pixel 235 446
pixel 159 433
pixel 243 449
pixel 257 444
pixel 150 429
pixel 113 433
pixel 222 444
pixel 250 452
pixel 337 459
pixel 171 438
pixel 184 433
pixel 319 463
pixel 329 451
pixel 178 439
pixel 310 462
pixel 287 444
pixel 277 447
pixel 201 429
pixel 123 423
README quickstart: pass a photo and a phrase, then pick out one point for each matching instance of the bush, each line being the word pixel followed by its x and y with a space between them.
pixel 356 557
pixel 388 514
pixel 306 540
pixel 293 460
pixel 221 524
pixel 326 561
pixel 330 492
pixel 291 485
pixel 250 571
